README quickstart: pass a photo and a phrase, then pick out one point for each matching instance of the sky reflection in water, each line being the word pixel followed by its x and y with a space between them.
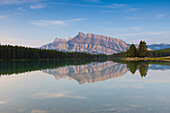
pixel 101 87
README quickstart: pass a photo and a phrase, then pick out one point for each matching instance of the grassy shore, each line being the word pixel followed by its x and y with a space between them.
pixel 147 58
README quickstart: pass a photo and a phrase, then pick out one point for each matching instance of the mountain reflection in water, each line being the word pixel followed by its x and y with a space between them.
pixel 83 71
pixel 97 71
pixel 90 72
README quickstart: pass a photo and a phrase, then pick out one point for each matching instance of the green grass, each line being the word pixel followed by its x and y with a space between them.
pixel 146 58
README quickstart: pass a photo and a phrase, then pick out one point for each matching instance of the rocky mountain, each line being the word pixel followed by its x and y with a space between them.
pixel 89 43
pixel 95 44
pixel 89 73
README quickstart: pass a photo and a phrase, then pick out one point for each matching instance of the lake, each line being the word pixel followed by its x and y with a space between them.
pixel 84 86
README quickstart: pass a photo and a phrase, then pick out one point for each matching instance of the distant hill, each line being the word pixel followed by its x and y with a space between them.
pixel 89 43
pixel 158 46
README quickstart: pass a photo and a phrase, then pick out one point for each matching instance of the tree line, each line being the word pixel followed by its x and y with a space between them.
pixel 142 51
pixel 8 52
pixel 16 67
pixel 159 53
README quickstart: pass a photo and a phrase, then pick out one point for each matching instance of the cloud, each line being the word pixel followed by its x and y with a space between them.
pixel 96 1
pixel 160 15
pixel 45 95
pixel 149 36
pixel 115 5
pixel 132 9
pixel 125 29
pixel 77 19
pixel 20 9
pixel 149 33
pixel 47 22
pixel 135 18
pixel 55 22
pixel 38 6
pixel 107 11
pixel 10 2
pixel 3 16
pixel 126 9
pixel 137 41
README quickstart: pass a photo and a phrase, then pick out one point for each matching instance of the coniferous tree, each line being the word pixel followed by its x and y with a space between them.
pixel 8 52
pixel 132 52
pixel 142 50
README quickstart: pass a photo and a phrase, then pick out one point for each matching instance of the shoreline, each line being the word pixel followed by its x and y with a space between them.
pixel 146 58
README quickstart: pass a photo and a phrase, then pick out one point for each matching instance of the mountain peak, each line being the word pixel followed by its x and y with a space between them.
pixel 70 38
pixel 89 43
pixel 81 34
pixel 59 40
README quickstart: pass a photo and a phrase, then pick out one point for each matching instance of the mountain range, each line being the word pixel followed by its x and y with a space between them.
pixel 94 44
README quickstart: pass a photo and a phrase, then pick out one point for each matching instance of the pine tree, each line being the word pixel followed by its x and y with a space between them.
pixel 142 50
pixel 132 52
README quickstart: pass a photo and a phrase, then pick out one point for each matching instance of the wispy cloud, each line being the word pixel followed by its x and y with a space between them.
pixel 107 11
pixel 9 2
pixel 132 9
pixel 135 17
pixel 149 36
pixel 37 6
pixel 77 19
pixel 145 39
pixel 48 22
pixel 149 33
pixel 3 16
pixel 55 22
pixel 160 15
pixel 20 9
pixel 124 29
pixel 96 1
pixel 114 5
pixel 126 9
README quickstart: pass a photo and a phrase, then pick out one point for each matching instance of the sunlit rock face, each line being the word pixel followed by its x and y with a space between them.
pixel 89 43
pixel 89 73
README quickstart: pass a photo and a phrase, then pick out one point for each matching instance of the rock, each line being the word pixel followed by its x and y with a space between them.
pixel 89 43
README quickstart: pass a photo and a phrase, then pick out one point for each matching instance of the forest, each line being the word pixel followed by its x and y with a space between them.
pixel 16 67
pixel 8 52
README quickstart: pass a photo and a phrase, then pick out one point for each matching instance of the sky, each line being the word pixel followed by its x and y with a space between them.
pixel 34 23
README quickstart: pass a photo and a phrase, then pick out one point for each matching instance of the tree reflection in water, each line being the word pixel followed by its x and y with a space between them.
pixel 142 66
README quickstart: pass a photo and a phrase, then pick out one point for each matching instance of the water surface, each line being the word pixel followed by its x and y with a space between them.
pixel 84 87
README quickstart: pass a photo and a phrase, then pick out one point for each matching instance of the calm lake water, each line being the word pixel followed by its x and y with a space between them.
pixel 84 87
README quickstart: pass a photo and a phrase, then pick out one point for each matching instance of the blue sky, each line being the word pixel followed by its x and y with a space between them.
pixel 38 22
